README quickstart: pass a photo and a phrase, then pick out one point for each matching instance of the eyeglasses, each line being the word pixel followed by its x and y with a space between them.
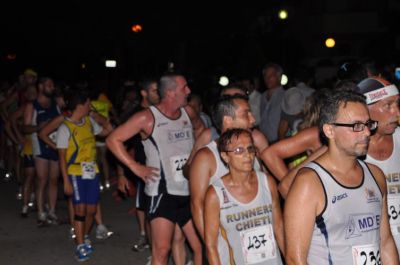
pixel 240 150
pixel 359 126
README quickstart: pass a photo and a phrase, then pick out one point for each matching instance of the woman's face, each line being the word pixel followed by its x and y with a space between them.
pixel 240 153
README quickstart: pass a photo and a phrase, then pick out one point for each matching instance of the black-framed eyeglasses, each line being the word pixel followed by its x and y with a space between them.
pixel 240 150
pixel 359 126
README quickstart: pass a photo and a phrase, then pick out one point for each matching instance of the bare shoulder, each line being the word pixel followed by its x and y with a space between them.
pixel 204 138
pixel 307 183
pixel 203 156
pixel 378 175
pixel 260 140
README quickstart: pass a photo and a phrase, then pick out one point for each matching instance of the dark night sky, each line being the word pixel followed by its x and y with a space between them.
pixel 56 37
pixel 61 35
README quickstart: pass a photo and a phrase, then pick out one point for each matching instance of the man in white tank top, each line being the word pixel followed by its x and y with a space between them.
pixel 336 209
pixel 167 133
pixel 384 146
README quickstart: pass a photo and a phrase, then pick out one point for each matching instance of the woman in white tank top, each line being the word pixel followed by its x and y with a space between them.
pixel 243 206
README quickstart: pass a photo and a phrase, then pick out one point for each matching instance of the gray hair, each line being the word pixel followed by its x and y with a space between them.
pixel 275 66
pixel 167 82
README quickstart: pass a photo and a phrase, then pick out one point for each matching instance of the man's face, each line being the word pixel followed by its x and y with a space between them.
pixel 344 138
pixel 181 92
pixel 30 79
pixel 85 107
pixel 244 119
pixel 48 88
pixel 386 112
pixel 271 78
pixel 152 94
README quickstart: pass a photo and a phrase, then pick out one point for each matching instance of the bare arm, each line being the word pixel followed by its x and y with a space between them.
pixel 15 129
pixel 48 129
pixel 260 140
pixel 389 254
pixel 197 123
pixel 273 156
pixel 68 190
pixel 277 216
pixel 198 183
pixel 103 122
pixel 141 122
pixel 212 222
pixel 283 129
pixel 201 141
pixel 287 180
pixel 28 128
pixel 299 221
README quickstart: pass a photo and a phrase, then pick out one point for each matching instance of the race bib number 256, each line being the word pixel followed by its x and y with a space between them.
pixel 366 255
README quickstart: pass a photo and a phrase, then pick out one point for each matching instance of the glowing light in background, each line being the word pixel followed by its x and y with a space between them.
pixel 330 42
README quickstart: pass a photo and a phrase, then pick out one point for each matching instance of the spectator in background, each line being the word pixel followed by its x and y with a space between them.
pixel 197 105
pixel 254 98
pixel 293 103
pixel 271 101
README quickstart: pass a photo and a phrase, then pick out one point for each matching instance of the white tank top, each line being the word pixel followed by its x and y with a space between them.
pixel 248 226
pixel 220 171
pixel 168 148
pixel 391 169
pixel 348 230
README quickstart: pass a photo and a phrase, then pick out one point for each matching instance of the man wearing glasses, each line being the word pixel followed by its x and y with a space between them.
pixel 384 147
pixel 342 218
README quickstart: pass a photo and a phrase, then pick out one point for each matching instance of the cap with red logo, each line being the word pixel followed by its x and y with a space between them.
pixel 375 89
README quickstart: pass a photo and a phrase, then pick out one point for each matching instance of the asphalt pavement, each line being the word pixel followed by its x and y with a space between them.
pixel 22 242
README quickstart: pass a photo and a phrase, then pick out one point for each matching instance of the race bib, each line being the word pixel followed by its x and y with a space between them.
pixel 394 213
pixel 177 163
pixel 88 170
pixel 258 244
pixel 366 255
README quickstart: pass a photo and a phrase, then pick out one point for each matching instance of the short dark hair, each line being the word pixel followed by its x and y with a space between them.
pixel 226 138
pixel 75 97
pixel 332 104
pixel 225 106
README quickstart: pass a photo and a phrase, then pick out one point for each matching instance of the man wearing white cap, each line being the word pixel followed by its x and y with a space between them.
pixel 384 147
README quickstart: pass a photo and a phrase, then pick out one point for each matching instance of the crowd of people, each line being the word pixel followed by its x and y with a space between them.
pixel 288 176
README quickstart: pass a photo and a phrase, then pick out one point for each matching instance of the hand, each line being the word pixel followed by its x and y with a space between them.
pixel 123 184
pixel 148 173
pixel 68 190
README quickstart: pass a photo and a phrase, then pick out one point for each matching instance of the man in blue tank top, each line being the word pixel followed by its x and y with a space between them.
pixel 37 114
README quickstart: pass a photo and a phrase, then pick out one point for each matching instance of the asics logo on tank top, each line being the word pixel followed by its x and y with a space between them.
pixel 162 124
pixel 336 198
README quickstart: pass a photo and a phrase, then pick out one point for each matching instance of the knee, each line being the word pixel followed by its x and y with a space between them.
pixel 178 239
pixel 161 252
pixel 91 211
